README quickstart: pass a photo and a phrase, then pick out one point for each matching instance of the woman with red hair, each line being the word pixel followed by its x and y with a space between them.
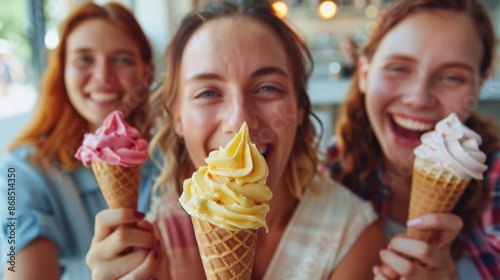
pixel 423 60
pixel 103 63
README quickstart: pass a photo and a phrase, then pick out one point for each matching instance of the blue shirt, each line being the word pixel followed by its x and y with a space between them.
pixel 59 205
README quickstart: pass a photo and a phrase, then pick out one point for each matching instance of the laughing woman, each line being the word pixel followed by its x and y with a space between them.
pixel 424 60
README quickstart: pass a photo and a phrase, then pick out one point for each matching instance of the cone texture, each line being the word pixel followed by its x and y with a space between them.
pixel 225 254
pixel 433 190
pixel 119 184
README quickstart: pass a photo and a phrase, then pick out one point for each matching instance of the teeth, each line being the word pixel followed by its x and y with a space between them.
pixel 103 97
pixel 412 124
pixel 262 150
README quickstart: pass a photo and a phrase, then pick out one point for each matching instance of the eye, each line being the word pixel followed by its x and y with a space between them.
pixel 398 69
pixel 453 78
pixel 206 94
pixel 267 89
pixel 83 60
pixel 124 60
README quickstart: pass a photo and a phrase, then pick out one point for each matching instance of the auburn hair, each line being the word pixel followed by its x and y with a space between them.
pixel 303 162
pixel 359 149
pixel 57 133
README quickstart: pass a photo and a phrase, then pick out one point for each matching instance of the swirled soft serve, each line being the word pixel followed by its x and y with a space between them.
pixel 453 147
pixel 231 191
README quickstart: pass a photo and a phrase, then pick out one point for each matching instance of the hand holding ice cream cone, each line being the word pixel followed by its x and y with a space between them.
pixel 445 162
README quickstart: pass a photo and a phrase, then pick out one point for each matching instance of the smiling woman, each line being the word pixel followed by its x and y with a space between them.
pixel 103 71
pixel 424 60
pixel 103 63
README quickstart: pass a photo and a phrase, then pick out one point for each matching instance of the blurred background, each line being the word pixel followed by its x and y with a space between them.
pixel 334 30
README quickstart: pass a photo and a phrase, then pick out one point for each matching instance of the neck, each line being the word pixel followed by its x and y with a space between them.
pixel 399 182
pixel 282 207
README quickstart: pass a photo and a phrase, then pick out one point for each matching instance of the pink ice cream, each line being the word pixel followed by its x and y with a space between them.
pixel 454 147
pixel 115 142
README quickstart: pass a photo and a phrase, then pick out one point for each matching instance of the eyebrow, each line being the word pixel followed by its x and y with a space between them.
pixel 267 71
pixel 450 64
pixel 401 57
pixel 89 50
pixel 259 72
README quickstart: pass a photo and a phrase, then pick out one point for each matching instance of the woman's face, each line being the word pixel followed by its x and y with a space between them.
pixel 235 70
pixel 103 71
pixel 424 68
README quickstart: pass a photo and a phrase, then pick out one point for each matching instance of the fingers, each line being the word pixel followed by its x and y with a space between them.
pixel 113 236
pixel 126 237
pixel 399 264
pixel 384 273
pixel 449 226
pixel 414 270
pixel 107 220
pixel 147 269
pixel 412 248
pixel 119 267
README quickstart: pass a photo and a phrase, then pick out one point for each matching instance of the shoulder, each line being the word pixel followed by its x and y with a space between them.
pixel 494 157
pixel 493 162
pixel 19 161
pixel 492 174
pixel 339 203
pixel 20 154
pixel 335 191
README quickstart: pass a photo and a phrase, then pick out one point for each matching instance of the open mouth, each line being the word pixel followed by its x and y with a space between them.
pixel 409 129
pixel 264 150
pixel 104 98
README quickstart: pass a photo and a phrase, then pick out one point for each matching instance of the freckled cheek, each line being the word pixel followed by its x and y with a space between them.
pixel 197 126
pixel 385 87
pixel 462 102
pixel 74 78
pixel 194 118
pixel 130 79
pixel 278 117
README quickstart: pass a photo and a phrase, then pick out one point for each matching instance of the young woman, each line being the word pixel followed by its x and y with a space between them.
pixel 424 60
pixel 103 63
pixel 230 63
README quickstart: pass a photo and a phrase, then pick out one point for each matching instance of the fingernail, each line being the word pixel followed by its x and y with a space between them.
pixel 414 222
pixel 375 269
pixel 138 214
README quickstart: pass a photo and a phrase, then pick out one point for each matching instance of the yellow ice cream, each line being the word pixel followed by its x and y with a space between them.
pixel 231 191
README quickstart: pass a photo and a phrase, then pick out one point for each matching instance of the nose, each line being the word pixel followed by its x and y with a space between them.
pixel 419 95
pixel 103 71
pixel 239 110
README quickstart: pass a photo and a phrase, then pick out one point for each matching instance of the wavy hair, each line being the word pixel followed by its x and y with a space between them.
pixel 359 149
pixel 56 134
pixel 302 165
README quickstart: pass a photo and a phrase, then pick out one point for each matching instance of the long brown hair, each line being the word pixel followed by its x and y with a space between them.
pixel 359 149
pixel 57 133
pixel 302 165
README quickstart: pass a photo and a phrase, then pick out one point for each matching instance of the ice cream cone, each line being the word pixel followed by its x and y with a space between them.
pixel 225 254
pixel 433 190
pixel 119 184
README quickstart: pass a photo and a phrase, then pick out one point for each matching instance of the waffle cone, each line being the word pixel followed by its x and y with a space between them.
pixel 433 190
pixel 225 254
pixel 119 184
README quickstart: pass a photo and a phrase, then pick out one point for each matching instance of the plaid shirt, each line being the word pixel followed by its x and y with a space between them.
pixel 483 239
